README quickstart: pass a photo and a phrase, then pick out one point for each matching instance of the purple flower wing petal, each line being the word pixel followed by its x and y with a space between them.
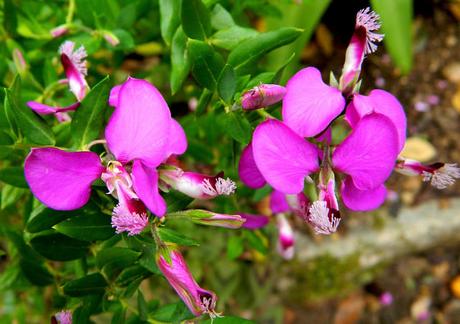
pixel 278 202
pixel 381 102
pixel 177 138
pixel 140 125
pixel 40 108
pixel 62 180
pixel 113 97
pixel 369 153
pixel 145 183
pixel 309 104
pixel 254 221
pixel 362 200
pixel 248 171
pixel 283 157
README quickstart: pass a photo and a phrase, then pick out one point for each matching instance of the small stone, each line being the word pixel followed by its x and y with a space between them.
pixel 419 149
pixel 452 72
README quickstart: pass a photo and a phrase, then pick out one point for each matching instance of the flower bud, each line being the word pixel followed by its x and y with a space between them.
pixel 110 38
pixel 205 217
pixel 199 301
pixel 59 31
pixel 262 96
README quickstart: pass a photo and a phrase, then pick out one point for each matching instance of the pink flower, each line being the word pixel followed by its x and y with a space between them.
pixel 63 317
pixel 196 185
pixel 140 134
pixel 254 221
pixel 286 239
pixel 262 96
pixel 59 112
pixel 75 68
pixel 198 300
pixel 59 31
pixel 440 175
pixel 362 42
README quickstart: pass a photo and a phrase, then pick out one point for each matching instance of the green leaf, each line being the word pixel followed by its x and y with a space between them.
pixel 172 313
pixel 113 260
pixel 8 277
pixel 43 218
pixel 169 235
pixel 89 285
pixel 142 306
pixel 227 83
pixel 58 247
pixel 10 195
pixel 170 20
pixel 396 18
pixel 229 38
pixel 229 320
pixel 88 120
pixel 207 63
pixel 180 63
pixel 36 272
pixel 177 201
pixel 238 127
pixel 87 227
pixel 131 274
pixel 235 247
pixel 13 176
pixel 250 50
pixel 33 128
pixel 255 242
pixel 196 19
pixel 10 20
pixel 221 18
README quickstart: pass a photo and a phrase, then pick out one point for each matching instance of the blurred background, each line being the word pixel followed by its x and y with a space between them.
pixel 399 264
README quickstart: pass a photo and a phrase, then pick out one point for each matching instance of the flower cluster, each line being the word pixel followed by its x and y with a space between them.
pixel 280 155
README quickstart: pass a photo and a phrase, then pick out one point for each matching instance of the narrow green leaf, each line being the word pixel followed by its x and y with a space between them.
pixel 142 306
pixel 33 128
pixel 180 62
pixel 87 227
pixel 170 19
pixel 229 38
pixel 250 50
pixel 207 63
pixel 196 19
pixel 169 235
pixel 221 18
pixel 35 272
pixel 229 320
pixel 113 260
pixel 88 285
pixel 172 313
pixel 11 195
pixel 235 247
pixel 396 18
pixel 59 247
pixel 43 218
pixel 131 274
pixel 13 176
pixel 238 127
pixel 255 242
pixel 88 119
pixel 227 83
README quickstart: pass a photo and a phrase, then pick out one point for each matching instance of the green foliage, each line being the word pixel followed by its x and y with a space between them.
pixel 396 16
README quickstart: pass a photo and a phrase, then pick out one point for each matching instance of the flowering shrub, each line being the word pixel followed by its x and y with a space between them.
pixel 106 182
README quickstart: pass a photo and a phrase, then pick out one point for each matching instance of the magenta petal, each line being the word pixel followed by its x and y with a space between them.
pixel 381 102
pixel 113 97
pixel 140 125
pixel 283 157
pixel 40 108
pixel 177 139
pixel 362 200
pixel 61 180
pixel 145 183
pixel 248 171
pixel 278 202
pixel 309 104
pixel 369 153
pixel 254 221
